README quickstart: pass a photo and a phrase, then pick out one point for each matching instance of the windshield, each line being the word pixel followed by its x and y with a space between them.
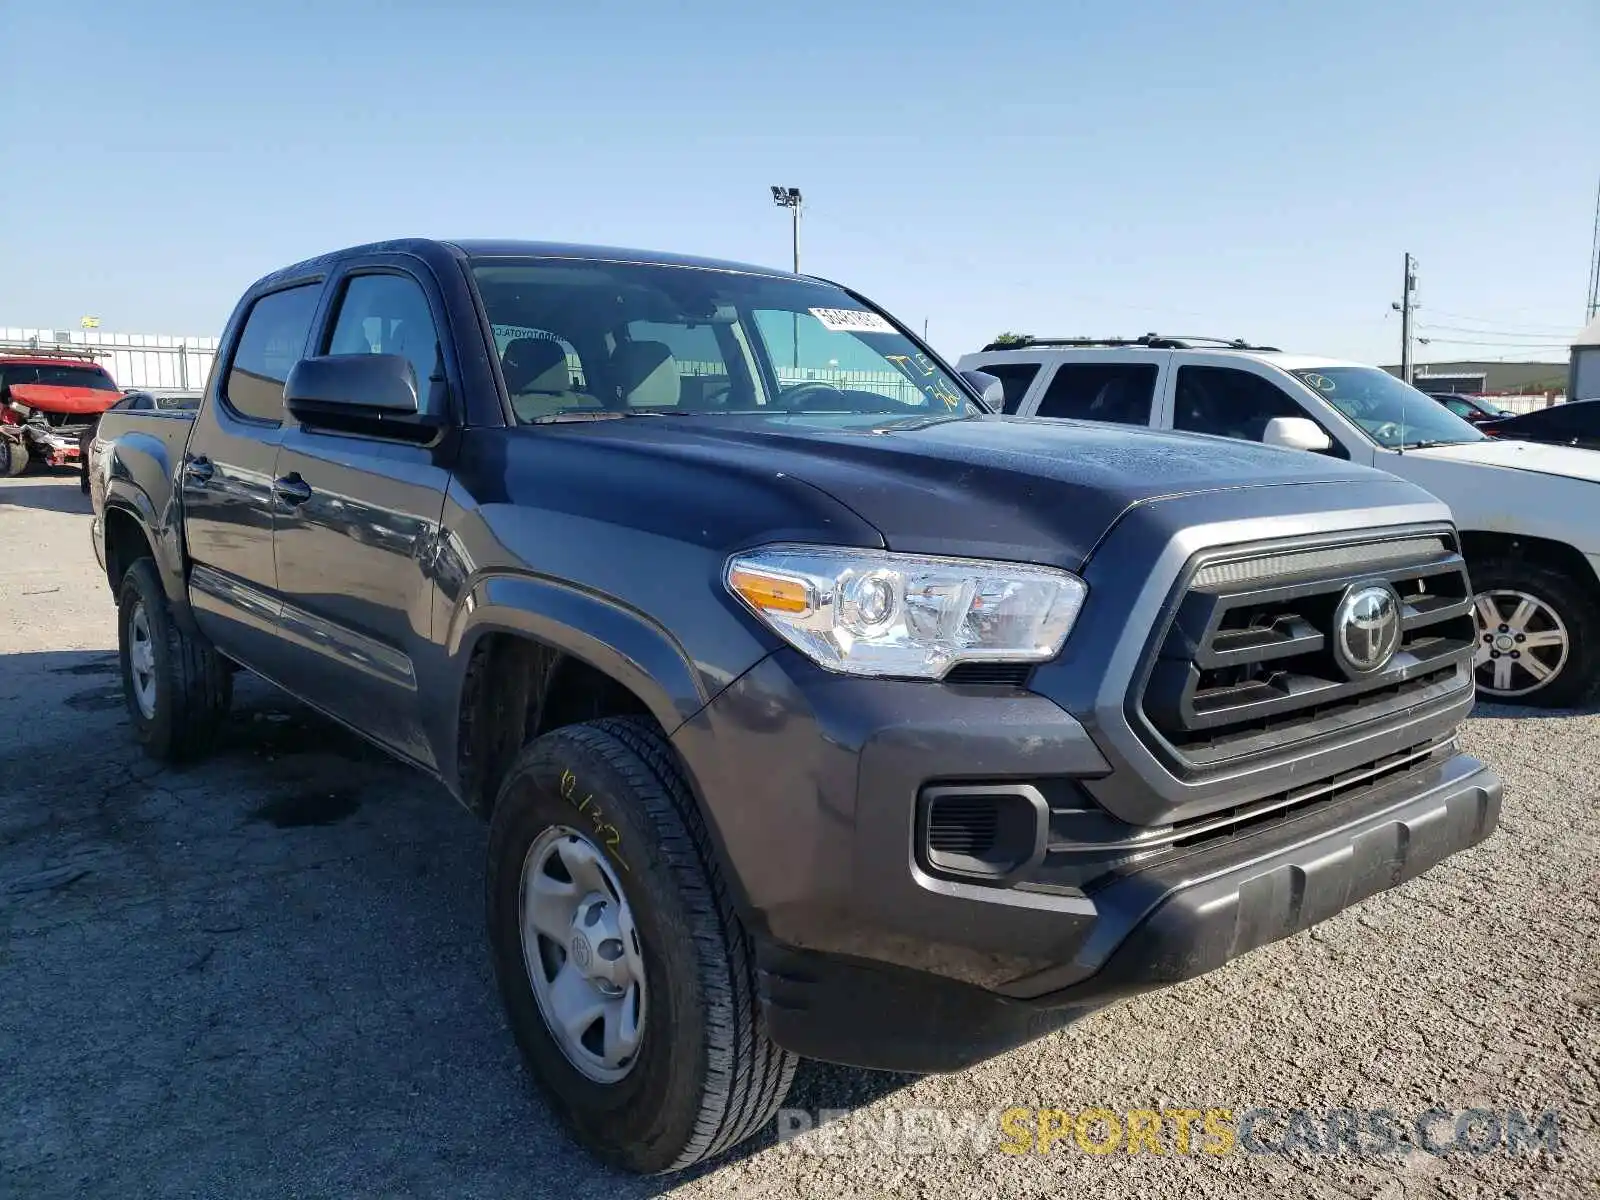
pixel 57 376
pixel 1391 413
pixel 597 338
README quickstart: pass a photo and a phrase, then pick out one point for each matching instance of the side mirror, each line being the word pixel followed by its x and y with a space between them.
pixel 987 386
pixel 374 394
pixel 1296 433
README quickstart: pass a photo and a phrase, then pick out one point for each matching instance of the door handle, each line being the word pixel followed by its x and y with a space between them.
pixel 198 470
pixel 291 489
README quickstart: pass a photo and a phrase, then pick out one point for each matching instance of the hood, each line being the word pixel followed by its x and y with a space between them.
pixel 999 487
pixel 50 398
pixel 1570 461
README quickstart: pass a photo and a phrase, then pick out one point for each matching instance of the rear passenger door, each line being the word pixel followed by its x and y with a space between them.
pixel 226 478
pixel 358 517
pixel 1120 388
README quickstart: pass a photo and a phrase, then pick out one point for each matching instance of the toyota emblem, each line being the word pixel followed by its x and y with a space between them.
pixel 1366 628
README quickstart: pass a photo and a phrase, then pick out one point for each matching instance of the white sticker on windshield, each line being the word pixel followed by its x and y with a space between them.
pixel 852 320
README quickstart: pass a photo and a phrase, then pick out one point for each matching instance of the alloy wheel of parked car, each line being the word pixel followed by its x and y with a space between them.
pixel 1538 635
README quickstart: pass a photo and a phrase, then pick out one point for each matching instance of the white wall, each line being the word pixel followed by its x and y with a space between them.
pixel 153 360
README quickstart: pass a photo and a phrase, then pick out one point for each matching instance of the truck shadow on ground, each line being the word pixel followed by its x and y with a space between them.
pixel 291 934
pixel 55 491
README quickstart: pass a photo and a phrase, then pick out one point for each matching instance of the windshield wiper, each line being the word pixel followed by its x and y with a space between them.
pixel 571 415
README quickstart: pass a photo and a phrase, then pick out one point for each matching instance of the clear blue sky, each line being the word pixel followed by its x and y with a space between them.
pixel 1249 169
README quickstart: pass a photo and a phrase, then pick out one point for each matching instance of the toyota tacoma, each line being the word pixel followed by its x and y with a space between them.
pixel 814 708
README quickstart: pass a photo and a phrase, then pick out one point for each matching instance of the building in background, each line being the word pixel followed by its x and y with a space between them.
pixel 1584 382
pixel 1522 385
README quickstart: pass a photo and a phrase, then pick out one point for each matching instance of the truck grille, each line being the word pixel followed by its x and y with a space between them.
pixel 1248 664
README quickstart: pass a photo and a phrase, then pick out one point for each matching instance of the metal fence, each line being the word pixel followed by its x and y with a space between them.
pixel 1525 404
pixel 143 360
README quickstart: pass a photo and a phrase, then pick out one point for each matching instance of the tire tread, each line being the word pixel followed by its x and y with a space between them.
pixel 747 1075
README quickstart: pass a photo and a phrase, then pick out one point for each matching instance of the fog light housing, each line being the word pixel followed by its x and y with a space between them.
pixel 987 832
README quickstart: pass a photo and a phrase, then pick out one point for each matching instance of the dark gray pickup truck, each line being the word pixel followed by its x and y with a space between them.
pixel 814 709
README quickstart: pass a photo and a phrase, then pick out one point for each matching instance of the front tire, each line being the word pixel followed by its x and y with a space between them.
pixel 177 688
pixel 627 978
pixel 13 457
pixel 1538 635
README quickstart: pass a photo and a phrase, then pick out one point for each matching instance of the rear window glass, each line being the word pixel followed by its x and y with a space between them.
pixel 1117 392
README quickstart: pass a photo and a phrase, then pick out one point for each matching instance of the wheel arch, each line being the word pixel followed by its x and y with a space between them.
pixel 535 654
pixel 1481 545
pixel 126 541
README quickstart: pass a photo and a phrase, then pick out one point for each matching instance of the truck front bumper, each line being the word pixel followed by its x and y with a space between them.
pixel 869 958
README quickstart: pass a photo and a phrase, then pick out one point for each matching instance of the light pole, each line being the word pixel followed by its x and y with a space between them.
pixel 789 197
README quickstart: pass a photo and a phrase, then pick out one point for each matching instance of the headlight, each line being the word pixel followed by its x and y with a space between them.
pixel 872 612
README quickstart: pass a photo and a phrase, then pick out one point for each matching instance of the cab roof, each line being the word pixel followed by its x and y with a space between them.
pixel 433 250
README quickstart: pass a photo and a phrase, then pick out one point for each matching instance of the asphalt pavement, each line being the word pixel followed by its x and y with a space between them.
pixel 265 975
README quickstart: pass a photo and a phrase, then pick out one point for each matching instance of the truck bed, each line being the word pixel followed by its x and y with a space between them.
pixel 149 449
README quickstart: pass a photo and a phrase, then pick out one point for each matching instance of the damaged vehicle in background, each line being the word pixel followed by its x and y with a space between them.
pixel 48 397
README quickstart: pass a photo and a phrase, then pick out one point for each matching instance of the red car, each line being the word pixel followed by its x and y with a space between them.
pixel 47 397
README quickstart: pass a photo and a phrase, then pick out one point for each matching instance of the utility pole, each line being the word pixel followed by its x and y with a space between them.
pixel 789 197
pixel 1593 309
pixel 1404 306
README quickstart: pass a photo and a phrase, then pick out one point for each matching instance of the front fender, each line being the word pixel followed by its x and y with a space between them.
pixel 617 640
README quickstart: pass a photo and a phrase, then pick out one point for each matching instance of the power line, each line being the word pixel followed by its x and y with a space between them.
pixel 1496 325
pixel 1594 263
pixel 1438 341
pixel 1563 339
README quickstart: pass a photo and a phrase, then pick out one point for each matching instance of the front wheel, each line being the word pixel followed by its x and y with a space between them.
pixel 1538 635
pixel 627 978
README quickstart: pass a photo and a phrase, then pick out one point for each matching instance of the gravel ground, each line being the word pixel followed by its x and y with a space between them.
pixel 265 975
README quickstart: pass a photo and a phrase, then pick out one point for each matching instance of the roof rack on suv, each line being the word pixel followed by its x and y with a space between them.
pixel 24 350
pixel 1150 341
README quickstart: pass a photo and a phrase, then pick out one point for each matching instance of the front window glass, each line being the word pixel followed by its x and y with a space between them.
pixel 647 338
pixel 1391 413
pixel 389 314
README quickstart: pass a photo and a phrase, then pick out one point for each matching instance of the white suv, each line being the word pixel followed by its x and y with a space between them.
pixel 1529 514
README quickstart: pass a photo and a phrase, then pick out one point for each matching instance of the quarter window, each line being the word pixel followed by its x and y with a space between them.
pixel 1116 392
pixel 272 341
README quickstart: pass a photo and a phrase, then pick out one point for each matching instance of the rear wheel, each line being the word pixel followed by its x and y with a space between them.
pixel 177 688
pixel 1538 635
pixel 13 457
pixel 627 978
